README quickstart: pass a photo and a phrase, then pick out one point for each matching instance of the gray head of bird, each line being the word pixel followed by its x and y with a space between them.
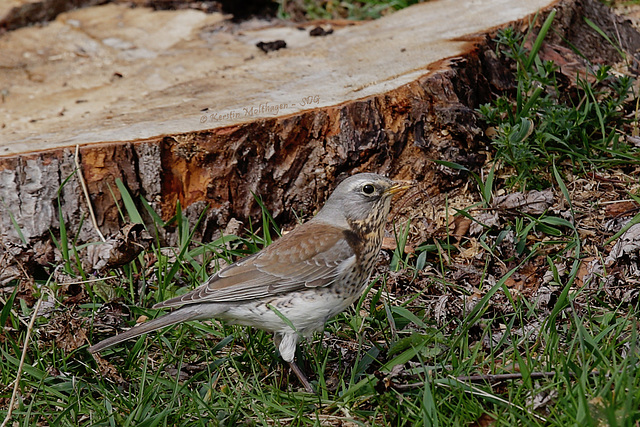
pixel 361 197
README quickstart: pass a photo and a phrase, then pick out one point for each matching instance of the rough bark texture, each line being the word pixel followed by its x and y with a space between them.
pixel 293 161
pixel 19 13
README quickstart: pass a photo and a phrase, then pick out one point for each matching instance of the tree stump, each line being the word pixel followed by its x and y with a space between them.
pixel 182 106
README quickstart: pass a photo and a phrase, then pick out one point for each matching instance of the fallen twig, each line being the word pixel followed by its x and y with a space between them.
pixel 491 378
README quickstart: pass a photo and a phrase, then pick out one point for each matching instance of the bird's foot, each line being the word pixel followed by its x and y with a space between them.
pixel 302 377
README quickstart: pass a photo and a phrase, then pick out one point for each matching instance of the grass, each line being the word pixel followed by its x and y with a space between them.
pixel 505 325
pixel 383 362
pixel 548 123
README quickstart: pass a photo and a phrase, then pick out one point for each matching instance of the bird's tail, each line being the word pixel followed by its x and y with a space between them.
pixel 183 314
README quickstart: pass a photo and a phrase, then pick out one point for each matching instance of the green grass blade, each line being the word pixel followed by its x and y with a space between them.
pixel 540 39
pixel 15 224
pixel 129 204
pixel 429 407
pixel 627 226
pixel 606 37
pixel 282 317
pixel 402 311
pixel 6 310
pixel 157 219
pixel 487 188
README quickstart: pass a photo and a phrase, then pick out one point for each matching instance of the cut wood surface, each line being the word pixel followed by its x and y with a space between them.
pixel 112 73
pixel 182 106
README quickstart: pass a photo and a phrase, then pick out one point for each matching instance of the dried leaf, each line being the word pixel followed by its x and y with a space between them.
pixel 620 208
pixel 628 243
pixel 67 329
pixel 569 63
pixel 233 227
pixel 460 226
pixel 9 273
pixel 533 202
pixel 548 275
pixel 119 250
pixel 390 244
pixel 440 309
pixel 489 219
pixel 584 271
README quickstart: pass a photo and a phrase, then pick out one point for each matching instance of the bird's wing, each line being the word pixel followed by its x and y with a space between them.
pixel 309 256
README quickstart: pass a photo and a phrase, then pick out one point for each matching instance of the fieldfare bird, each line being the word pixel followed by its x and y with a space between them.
pixel 307 276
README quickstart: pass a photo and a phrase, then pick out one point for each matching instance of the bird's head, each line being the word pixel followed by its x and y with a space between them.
pixel 364 197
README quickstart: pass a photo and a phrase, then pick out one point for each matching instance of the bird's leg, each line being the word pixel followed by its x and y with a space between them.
pixel 291 342
pixel 301 376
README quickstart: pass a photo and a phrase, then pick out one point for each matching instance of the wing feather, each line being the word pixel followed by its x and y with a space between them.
pixel 309 256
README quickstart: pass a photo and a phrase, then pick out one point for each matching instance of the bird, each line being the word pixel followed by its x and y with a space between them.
pixel 292 287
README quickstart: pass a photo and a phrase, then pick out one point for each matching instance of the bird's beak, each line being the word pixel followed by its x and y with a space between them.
pixel 399 186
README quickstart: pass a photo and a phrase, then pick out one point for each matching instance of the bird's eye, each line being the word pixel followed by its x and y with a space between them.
pixel 368 189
